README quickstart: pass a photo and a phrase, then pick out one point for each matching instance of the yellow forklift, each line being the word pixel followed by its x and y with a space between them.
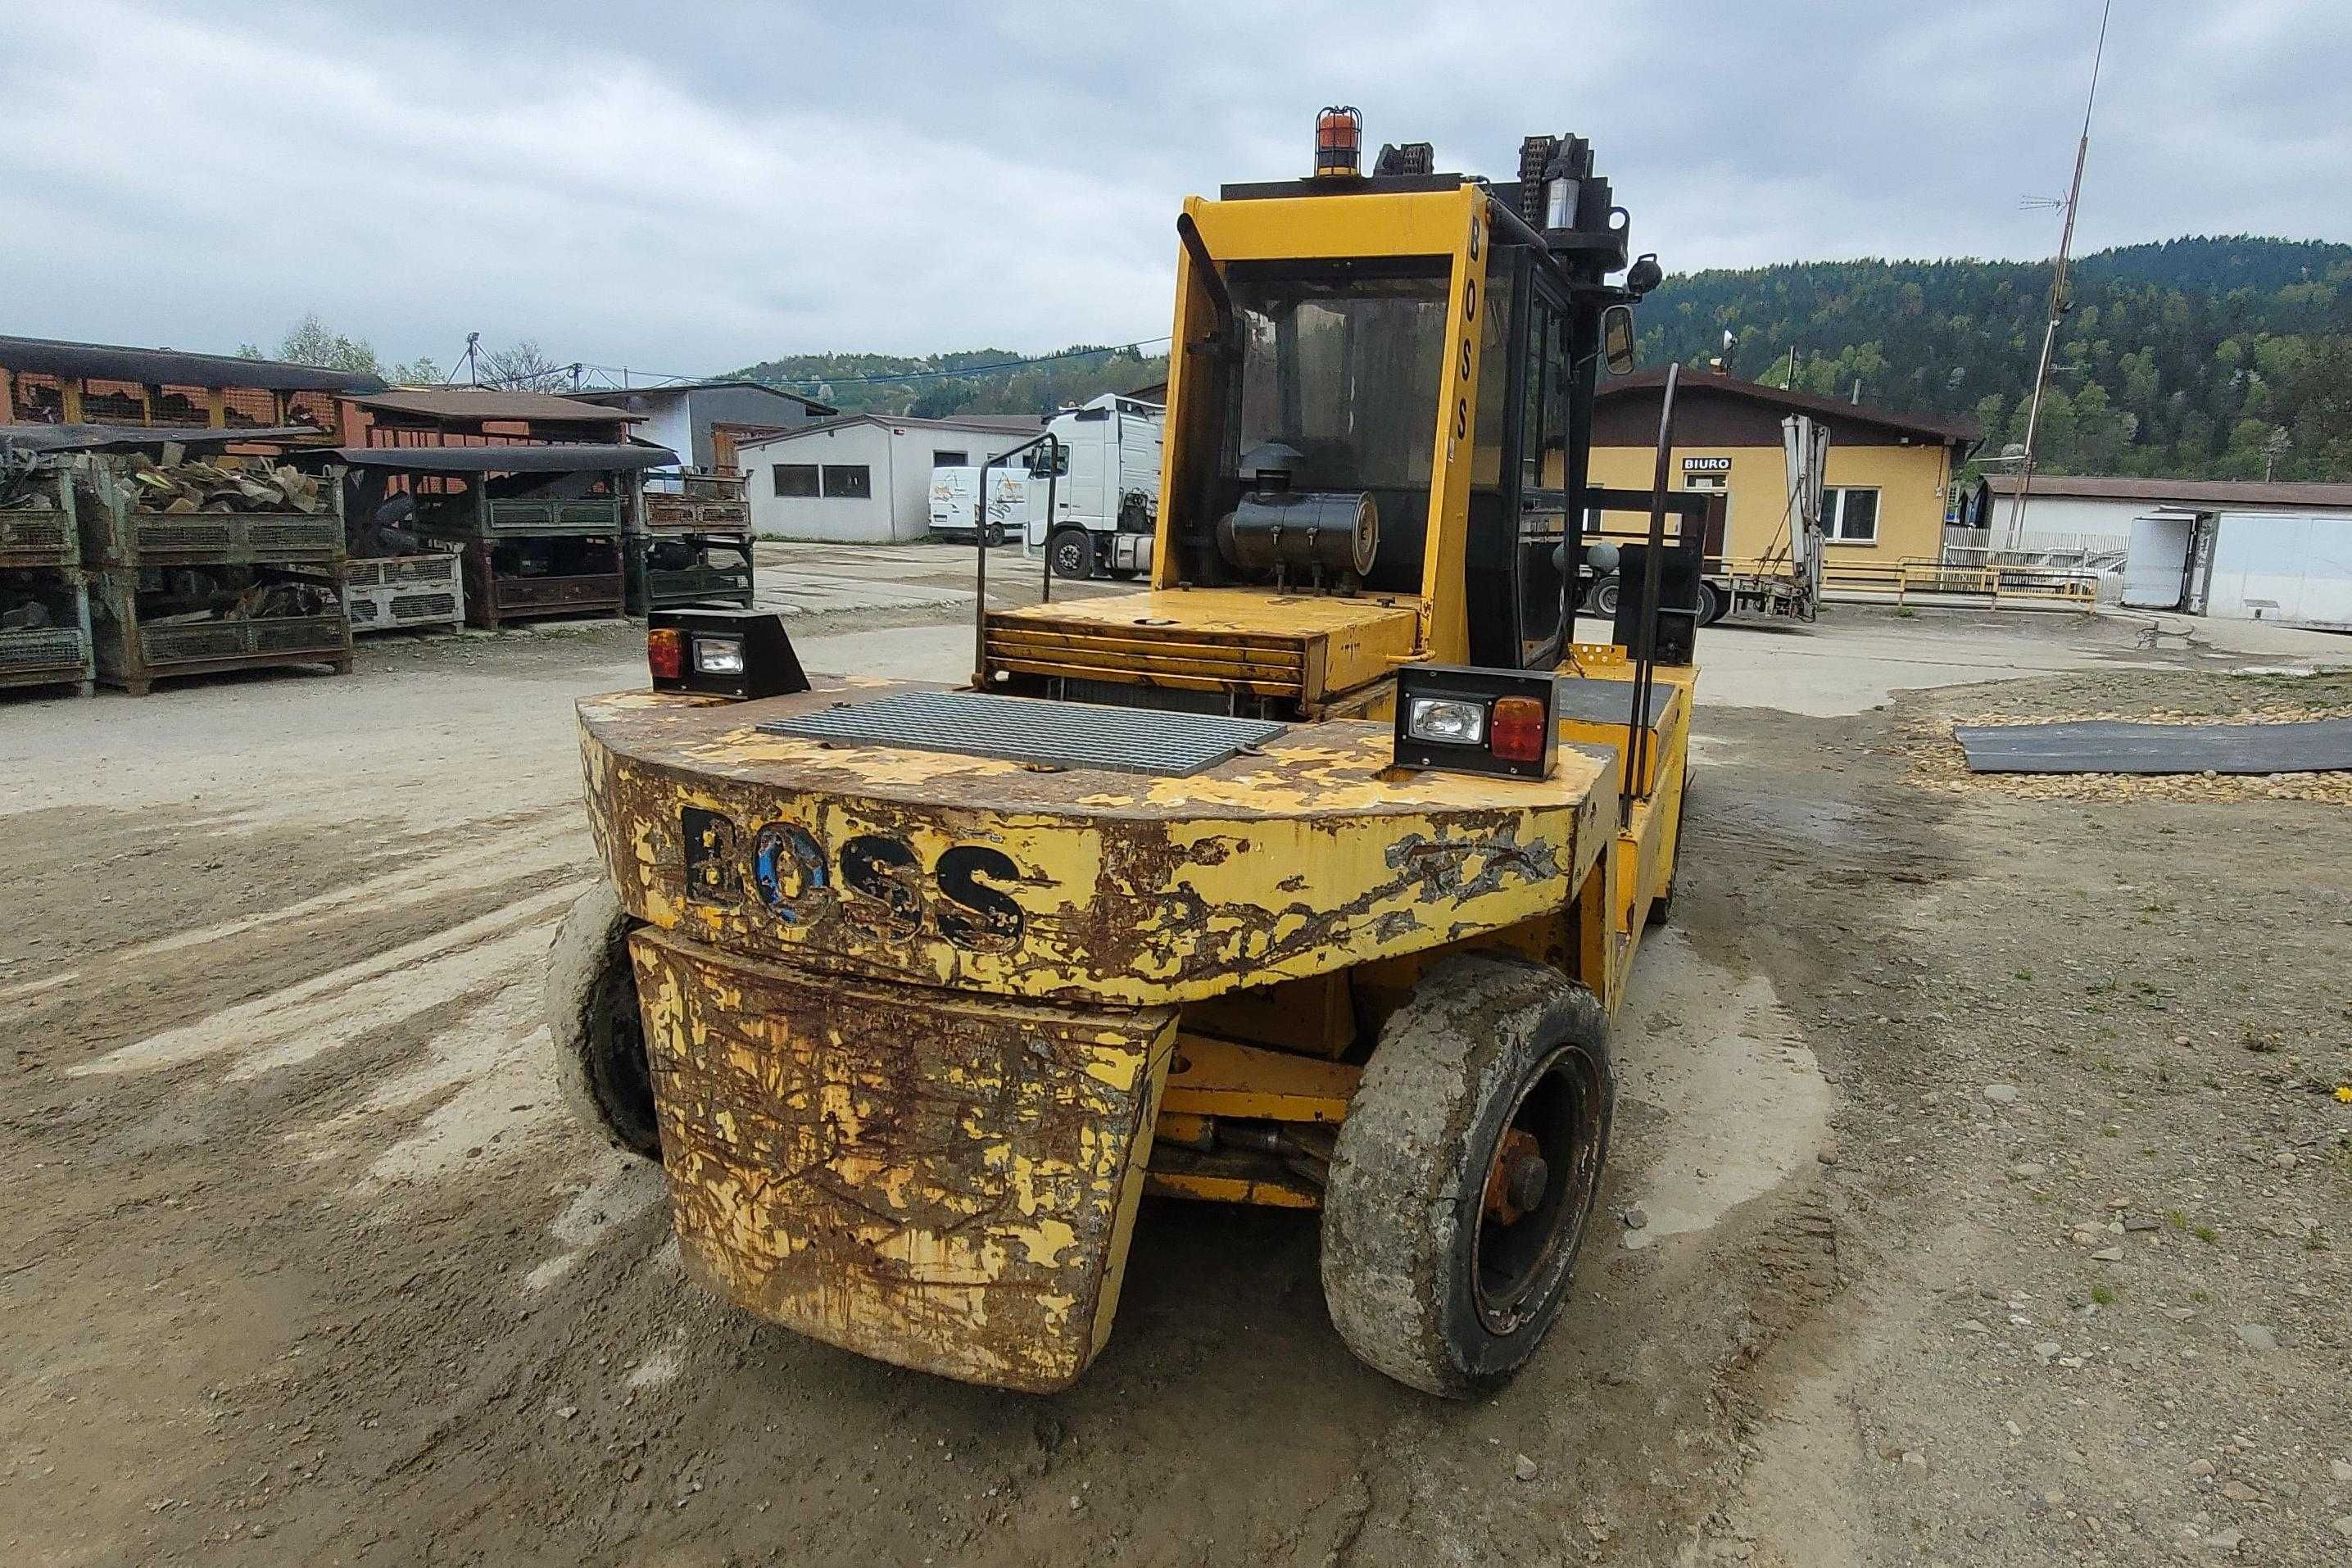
pixel 1310 878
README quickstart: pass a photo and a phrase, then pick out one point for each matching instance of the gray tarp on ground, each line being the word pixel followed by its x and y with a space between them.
pixel 2113 746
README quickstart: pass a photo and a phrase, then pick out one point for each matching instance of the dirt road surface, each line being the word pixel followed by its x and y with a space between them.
pixel 1993 1184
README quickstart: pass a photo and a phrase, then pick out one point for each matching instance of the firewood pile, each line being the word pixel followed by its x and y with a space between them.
pixel 35 600
pixel 189 596
pixel 26 489
pixel 195 485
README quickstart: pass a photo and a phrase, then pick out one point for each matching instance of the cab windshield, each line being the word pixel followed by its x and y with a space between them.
pixel 1347 369
pixel 1345 363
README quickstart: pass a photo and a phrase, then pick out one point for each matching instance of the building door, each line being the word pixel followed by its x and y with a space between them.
pixel 1716 484
pixel 2155 566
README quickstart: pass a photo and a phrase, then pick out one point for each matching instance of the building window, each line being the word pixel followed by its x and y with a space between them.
pixel 1849 516
pixel 951 459
pixel 795 479
pixel 849 481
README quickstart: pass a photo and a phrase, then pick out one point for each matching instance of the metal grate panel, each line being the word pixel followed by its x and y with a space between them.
pixel 1031 730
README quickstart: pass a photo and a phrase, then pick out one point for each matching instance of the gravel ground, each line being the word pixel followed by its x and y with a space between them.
pixel 1994 1176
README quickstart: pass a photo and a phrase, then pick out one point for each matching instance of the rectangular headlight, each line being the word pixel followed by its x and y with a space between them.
pixel 1447 721
pixel 1470 721
pixel 719 656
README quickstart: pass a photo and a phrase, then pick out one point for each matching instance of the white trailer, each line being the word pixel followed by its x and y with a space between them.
pixel 1010 501
pixel 1107 492
pixel 2294 568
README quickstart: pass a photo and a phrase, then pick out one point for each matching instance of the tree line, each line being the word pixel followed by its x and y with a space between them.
pixel 2197 358
pixel 968 380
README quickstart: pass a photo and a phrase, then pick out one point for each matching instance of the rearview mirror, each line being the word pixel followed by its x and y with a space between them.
pixel 1617 339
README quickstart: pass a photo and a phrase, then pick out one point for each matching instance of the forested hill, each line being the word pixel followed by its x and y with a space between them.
pixel 2194 358
pixel 986 381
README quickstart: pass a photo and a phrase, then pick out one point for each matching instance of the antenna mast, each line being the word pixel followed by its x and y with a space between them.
pixel 2059 303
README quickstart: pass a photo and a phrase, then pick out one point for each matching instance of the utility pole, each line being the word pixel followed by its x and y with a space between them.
pixel 2059 303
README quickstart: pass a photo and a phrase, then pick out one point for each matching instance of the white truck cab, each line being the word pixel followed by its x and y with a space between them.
pixel 1106 495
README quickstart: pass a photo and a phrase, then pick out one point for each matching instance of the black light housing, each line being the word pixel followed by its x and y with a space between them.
pixel 1459 718
pixel 741 654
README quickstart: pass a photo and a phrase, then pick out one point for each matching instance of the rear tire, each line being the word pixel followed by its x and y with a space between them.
pixel 1071 551
pixel 591 1013
pixel 1465 1172
pixel 1602 600
pixel 1661 908
pixel 1713 604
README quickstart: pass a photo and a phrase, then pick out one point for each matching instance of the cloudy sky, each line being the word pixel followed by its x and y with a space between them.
pixel 691 186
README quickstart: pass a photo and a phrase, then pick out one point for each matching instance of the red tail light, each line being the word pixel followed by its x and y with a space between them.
pixel 1516 731
pixel 666 654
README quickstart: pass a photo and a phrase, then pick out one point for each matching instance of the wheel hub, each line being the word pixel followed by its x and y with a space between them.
pixel 1519 1178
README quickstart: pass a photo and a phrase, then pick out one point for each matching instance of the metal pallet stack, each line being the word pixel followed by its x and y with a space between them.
pixel 210 565
pixel 43 597
pixel 528 557
pixel 393 593
pixel 690 542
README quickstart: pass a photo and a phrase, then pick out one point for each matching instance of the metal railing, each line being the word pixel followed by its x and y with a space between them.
pixel 1996 584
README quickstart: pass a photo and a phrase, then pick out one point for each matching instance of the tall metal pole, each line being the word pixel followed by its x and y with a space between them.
pixel 2058 302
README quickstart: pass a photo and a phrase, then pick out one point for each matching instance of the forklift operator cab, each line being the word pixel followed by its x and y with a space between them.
pixel 1309 877
pixel 1381 396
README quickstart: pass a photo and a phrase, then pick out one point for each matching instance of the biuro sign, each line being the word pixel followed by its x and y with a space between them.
pixel 873 880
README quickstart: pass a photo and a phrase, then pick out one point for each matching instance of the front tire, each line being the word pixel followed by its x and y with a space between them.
pixel 591 1013
pixel 1465 1172
pixel 1071 551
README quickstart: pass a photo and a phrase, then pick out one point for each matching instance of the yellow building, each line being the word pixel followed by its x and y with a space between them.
pixel 1888 481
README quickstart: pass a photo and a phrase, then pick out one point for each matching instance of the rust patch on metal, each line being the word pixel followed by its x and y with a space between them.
pixel 941 1180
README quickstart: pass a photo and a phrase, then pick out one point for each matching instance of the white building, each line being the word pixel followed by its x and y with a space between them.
pixel 867 478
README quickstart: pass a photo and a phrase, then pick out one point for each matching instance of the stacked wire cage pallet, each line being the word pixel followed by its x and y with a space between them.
pixel 178 593
pixel 44 634
pixel 690 542
pixel 397 593
pixel 527 558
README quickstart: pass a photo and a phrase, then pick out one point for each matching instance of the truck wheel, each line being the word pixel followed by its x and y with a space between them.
pixel 1464 1174
pixel 1713 604
pixel 1602 600
pixel 1661 908
pixel 591 1013
pixel 993 535
pixel 1072 551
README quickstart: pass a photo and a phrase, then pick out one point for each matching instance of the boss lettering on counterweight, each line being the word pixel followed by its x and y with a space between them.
pixel 876 881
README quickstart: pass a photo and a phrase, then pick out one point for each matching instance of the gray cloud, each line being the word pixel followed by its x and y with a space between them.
pixel 689 188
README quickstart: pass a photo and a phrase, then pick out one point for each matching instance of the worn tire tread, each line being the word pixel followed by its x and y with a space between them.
pixel 1391 1212
pixel 593 938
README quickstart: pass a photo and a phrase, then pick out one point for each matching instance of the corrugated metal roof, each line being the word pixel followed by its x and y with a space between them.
pixel 171 367
pixel 564 457
pixel 1700 383
pixel 2205 493
pixel 132 437
pixel 484 403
